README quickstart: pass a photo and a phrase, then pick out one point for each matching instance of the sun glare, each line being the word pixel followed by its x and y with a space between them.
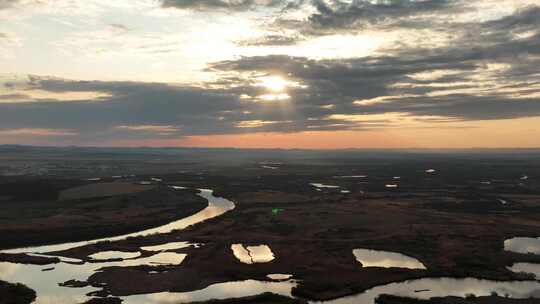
pixel 274 83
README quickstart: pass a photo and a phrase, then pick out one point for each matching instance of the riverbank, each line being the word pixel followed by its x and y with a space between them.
pixel 15 294
pixel 31 223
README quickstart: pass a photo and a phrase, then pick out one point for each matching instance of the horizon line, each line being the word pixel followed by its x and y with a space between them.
pixel 270 149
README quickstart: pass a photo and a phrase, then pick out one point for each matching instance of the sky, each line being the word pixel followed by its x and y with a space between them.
pixel 317 74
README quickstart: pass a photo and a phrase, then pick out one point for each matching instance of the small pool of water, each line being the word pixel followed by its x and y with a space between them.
pixel 527 268
pixel 322 186
pixel 252 254
pixel 279 276
pixel 523 245
pixel 162 258
pixel 386 259
pixel 178 187
pixel 108 255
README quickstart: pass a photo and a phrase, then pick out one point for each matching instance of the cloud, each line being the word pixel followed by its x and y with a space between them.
pixel 7 3
pixel 487 71
pixel 205 5
pixel 338 14
pixel 272 40
pixel 328 17
pixel 119 27
pixel 153 129
pixel 39 132
pixel 436 21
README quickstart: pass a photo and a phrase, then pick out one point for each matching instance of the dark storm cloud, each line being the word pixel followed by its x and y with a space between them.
pixel 203 5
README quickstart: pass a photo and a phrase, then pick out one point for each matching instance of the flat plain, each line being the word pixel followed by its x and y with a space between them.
pixel 450 210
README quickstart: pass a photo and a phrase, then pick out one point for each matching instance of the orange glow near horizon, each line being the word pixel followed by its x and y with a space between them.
pixel 512 133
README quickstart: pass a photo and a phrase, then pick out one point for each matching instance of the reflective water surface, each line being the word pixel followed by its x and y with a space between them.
pixel 527 268
pixel 45 283
pixel 279 276
pixel 523 245
pixel 386 259
pixel 217 291
pixel 320 186
pixel 441 287
pixel 107 255
pixel 252 254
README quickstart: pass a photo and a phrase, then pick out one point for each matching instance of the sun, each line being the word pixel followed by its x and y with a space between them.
pixel 274 83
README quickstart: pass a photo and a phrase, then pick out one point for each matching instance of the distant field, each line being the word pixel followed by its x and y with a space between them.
pixel 102 189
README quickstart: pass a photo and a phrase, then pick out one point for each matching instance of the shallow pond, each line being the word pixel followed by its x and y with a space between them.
pixel 107 255
pixel 279 276
pixel 322 186
pixel 523 245
pixel 527 268
pixel 252 254
pixel 386 259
